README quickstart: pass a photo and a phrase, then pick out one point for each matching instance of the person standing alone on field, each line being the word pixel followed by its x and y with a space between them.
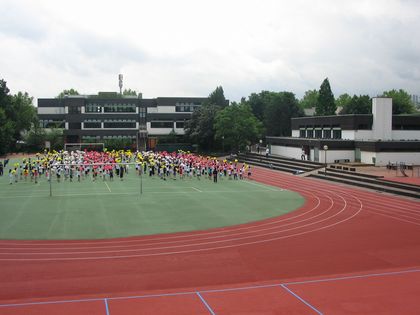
pixel 215 174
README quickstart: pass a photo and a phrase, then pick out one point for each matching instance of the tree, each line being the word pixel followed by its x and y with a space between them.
pixel 358 105
pixel 326 103
pixel 237 126
pixel 343 100
pixel 281 107
pixel 401 102
pixel 217 97
pixel 200 128
pixel 17 115
pixel 67 92
pixel 129 92
pixel 258 102
pixel 310 99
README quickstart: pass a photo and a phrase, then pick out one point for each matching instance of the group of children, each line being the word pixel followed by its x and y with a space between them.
pixel 80 165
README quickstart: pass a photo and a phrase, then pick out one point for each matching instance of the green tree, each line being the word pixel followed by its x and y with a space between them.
pixel 358 105
pixel 258 103
pixel 200 128
pixel 17 115
pixel 310 99
pixel 56 138
pixel 236 126
pixel 343 100
pixel 35 138
pixel 326 102
pixel 281 107
pixel 68 92
pixel 401 102
pixel 129 92
pixel 217 97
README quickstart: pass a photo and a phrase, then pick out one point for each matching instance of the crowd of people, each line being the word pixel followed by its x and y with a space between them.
pixel 106 166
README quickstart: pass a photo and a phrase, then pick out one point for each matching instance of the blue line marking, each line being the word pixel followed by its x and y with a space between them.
pixel 205 303
pixel 302 300
pixel 106 306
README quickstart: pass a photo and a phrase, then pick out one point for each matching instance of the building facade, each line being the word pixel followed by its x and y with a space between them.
pixel 92 119
pixel 378 138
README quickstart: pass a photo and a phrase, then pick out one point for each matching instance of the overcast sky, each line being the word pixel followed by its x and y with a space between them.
pixel 188 47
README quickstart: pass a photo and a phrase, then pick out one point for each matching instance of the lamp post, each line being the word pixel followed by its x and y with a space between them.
pixel 325 158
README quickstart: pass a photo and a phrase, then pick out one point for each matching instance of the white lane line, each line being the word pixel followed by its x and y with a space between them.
pixel 108 187
pixel 197 189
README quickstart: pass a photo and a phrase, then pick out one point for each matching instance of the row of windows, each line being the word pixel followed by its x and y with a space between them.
pixel 110 108
pixel 51 123
pixel 320 133
pixel 167 124
pixel 187 109
pixel 89 138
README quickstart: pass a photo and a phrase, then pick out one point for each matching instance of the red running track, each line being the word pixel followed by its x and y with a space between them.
pixel 338 231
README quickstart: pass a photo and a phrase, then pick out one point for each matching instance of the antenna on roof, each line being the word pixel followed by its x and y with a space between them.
pixel 120 82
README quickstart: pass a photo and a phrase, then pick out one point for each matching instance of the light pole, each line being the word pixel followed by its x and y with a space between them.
pixel 325 158
pixel 259 148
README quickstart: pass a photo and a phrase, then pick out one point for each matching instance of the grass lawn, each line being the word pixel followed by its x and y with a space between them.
pixel 97 210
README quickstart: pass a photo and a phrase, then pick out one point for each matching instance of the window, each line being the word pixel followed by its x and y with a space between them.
pixel 119 123
pixel 327 133
pixel 162 124
pixel 318 133
pixel 75 125
pixel 119 108
pixel 337 134
pixel 93 108
pixel 310 133
pixel 51 123
pixel 92 123
pixel 179 124
pixel 302 133
pixel 74 109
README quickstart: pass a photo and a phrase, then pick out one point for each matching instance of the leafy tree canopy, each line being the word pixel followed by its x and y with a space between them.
pixel 357 105
pixel 67 92
pixel 401 102
pixel 281 107
pixel 217 97
pixel 310 99
pixel 17 115
pixel 237 126
pixel 343 100
pixel 326 102
pixel 129 92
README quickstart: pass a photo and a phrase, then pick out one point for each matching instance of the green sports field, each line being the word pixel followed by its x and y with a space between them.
pixel 104 209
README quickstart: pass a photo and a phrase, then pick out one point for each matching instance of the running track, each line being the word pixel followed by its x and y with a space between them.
pixel 346 251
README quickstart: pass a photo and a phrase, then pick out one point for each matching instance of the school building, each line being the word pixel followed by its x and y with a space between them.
pixel 378 138
pixel 93 119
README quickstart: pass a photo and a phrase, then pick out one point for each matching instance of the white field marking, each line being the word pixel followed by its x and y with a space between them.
pixel 265 186
pixel 108 187
pixel 197 189
pixel 395 218
pixel 133 193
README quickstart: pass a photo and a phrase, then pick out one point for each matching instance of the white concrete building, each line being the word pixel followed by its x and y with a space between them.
pixel 378 138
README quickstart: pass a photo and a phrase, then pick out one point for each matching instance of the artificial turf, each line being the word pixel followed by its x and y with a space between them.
pixel 97 210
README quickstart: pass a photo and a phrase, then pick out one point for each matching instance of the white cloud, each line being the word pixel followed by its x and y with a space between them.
pixel 186 47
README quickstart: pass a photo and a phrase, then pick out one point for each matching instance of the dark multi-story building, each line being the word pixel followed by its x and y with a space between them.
pixel 90 119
